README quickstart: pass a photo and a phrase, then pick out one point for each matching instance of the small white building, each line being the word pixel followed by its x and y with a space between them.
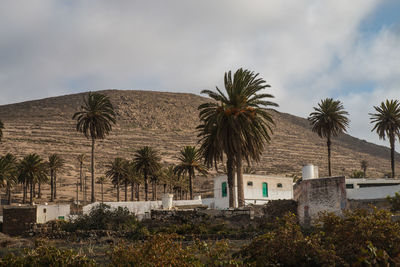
pixel 258 189
pixel 45 213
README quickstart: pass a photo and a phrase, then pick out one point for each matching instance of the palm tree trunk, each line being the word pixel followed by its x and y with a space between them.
pixel 102 193
pixel 191 174
pixel 39 190
pixel 132 190
pixel 24 193
pixel 118 191
pixel 328 143
pixel 155 190
pixel 239 176
pixel 230 170
pixel 138 192
pixel 126 190
pixel 80 175
pixel 165 188
pixel 92 199
pixel 8 194
pixel 146 186
pixel 31 194
pixel 392 144
pixel 34 189
pixel 55 185
pixel 51 186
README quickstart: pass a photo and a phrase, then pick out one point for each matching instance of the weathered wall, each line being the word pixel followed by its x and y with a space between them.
pixel 18 219
pixel 322 194
pixel 47 213
pixel 378 192
pixel 368 204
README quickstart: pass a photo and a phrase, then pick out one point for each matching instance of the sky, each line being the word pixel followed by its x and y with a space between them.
pixel 307 50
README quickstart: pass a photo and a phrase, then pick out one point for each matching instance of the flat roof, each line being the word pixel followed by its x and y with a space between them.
pixel 372 181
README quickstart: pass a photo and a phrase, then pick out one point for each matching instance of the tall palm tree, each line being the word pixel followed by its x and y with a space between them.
pixel 131 178
pixel 387 124
pixel 364 166
pixel 329 120
pixel 168 177
pixel 190 161
pixel 81 159
pixel 116 172
pixel 1 130
pixel 238 124
pixel 101 180
pixel 32 169
pixel 55 164
pixel 95 121
pixel 8 174
pixel 147 162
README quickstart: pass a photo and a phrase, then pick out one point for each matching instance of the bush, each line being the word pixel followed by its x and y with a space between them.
pixel 286 245
pixel 101 217
pixel 394 202
pixel 47 256
pixel 159 250
pixel 357 232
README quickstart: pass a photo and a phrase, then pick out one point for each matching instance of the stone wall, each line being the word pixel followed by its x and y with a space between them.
pixel 18 219
pixel 321 194
pixel 368 204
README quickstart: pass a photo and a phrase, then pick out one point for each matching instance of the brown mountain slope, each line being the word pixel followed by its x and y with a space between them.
pixel 167 122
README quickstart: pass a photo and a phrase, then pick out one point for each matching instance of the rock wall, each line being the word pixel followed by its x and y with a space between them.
pixel 18 219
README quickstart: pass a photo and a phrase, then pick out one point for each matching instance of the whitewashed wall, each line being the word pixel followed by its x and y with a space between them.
pixel 140 208
pixel 377 192
pixel 254 194
pixel 45 213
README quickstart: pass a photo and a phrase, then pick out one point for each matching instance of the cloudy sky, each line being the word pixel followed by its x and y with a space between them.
pixel 306 50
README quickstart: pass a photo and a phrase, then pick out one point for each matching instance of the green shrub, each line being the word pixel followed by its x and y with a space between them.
pixel 286 245
pixel 102 217
pixel 356 230
pixel 394 202
pixel 47 256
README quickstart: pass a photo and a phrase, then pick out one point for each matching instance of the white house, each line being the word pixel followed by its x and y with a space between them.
pixel 258 189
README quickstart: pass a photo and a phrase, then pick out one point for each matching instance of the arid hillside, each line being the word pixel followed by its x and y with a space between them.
pixel 167 122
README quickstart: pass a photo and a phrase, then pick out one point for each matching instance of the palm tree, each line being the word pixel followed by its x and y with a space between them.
pixel 101 180
pixel 55 164
pixel 8 174
pixel 147 163
pixel 387 124
pixel 32 169
pixel 237 124
pixel 131 178
pixel 95 121
pixel 168 177
pixel 364 166
pixel 189 162
pixel 1 130
pixel 116 172
pixel 329 120
pixel 81 159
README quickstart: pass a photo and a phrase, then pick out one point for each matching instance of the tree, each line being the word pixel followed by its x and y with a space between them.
pixel 32 169
pixel 387 124
pixel 131 178
pixel 8 174
pixel 364 166
pixel 168 177
pixel 189 162
pixel 329 120
pixel 1 130
pixel 55 164
pixel 81 159
pixel 116 172
pixel 237 124
pixel 147 162
pixel 101 180
pixel 95 121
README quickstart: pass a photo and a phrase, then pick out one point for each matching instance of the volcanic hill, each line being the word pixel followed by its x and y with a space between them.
pixel 167 122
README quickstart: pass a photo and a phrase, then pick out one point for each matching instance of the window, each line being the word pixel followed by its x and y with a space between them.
pixel 265 189
pixel 349 186
pixel 249 183
pixel 279 185
pixel 224 189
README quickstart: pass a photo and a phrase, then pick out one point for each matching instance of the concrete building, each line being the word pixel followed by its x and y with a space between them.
pixel 45 213
pixel 258 189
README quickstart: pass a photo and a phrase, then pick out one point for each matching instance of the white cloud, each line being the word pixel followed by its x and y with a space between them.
pixel 307 50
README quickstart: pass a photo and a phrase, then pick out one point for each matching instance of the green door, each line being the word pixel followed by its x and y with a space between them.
pixel 224 189
pixel 265 189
